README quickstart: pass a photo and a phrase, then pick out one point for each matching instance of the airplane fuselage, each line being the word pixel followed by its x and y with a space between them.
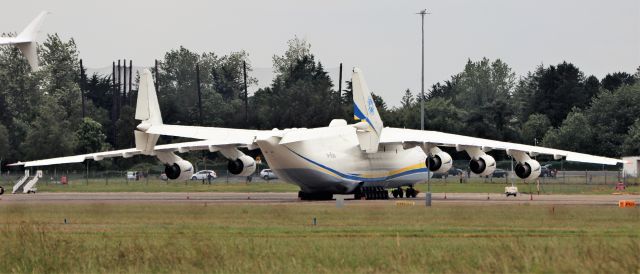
pixel 332 161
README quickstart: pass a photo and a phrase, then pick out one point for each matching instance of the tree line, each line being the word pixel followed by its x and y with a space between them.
pixel 553 105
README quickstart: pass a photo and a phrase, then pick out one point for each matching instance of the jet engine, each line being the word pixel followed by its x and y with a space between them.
pixel 528 170
pixel 485 165
pixel 439 162
pixel 243 166
pixel 180 170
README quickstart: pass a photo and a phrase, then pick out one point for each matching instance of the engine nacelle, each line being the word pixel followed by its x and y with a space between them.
pixel 484 166
pixel 180 170
pixel 243 166
pixel 439 162
pixel 528 170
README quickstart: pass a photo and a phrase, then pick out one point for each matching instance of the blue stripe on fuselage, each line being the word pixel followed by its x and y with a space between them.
pixel 358 178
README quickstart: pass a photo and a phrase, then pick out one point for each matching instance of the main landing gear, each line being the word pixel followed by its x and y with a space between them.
pixel 372 193
pixel 410 192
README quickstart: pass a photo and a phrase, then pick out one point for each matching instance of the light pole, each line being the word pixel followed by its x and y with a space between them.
pixel 428 194
pixel 422 14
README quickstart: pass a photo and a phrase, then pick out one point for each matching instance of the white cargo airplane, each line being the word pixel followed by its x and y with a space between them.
pixel 364 158
pixel 26 40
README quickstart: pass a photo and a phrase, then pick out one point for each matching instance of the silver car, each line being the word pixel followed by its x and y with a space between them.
pixel 267 174
pixel 204 175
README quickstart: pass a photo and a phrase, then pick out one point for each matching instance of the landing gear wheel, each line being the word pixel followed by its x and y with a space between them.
pixel 1 190
pixel 411 193
pixel 373 193
pixel 397 193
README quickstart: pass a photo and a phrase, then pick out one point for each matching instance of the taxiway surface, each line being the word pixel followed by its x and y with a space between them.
pixel 291 197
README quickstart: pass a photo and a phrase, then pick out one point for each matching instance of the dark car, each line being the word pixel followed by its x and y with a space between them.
pixel 546 171
pixel 452 172
pixel 499 173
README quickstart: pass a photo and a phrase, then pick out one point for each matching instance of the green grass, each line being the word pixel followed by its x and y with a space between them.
pixel 548 188
pixel 378 238
pixel 164 186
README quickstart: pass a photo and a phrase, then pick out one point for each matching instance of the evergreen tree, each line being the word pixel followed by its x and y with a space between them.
pixel 535 128
pixel 90 137
pixel 631 145
pixel 4 143
pixel 49 135
pixel 615 80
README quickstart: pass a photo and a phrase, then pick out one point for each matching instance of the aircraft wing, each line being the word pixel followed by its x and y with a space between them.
pixel 12 40
pixel 214 135
pixel 125 153
pixel 399 135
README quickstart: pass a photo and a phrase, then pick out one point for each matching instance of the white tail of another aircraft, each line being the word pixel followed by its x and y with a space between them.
pixel 26 40
pixel 148 112
pixel 364 109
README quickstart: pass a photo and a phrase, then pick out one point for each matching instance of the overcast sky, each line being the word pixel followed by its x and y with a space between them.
pixel 380 37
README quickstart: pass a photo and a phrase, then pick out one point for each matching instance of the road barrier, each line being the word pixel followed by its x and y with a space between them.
pixel 626 203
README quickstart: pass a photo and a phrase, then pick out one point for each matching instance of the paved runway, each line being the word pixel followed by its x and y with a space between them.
pixel 280 198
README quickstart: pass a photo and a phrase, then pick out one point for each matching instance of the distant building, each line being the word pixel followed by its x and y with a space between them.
pixel 631 165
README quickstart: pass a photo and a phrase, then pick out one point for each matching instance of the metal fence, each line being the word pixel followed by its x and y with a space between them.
pixel 118 177
pixel 562 179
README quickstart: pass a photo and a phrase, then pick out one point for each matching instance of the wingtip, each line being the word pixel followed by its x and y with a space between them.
pixel 16 164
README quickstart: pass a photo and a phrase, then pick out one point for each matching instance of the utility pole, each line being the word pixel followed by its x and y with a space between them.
pixel 114 107
pixel 428 194
pixel 157 75
pixel 199 92
pixel 204 158
pixel 119 89
pixel 82 81
pixel 130 80
pixel 246 94
pixel 124 82
pixel 340 87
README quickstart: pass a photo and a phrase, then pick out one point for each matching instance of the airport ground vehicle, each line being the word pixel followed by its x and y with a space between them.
pixel 511 190
pixel 267 174
pixel 204 175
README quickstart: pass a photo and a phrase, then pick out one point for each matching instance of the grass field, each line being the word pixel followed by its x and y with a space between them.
pixel 379 238
pixel 259 185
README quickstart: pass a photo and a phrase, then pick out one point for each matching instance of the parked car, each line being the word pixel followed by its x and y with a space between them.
pixel 132 175
pixel 546 171
pixel 164 177
pixel 452 172
pixel 204 175
pixel 499 173
pixel 267 174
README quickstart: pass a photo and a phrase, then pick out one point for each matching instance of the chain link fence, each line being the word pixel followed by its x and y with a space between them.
pixel 555 180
